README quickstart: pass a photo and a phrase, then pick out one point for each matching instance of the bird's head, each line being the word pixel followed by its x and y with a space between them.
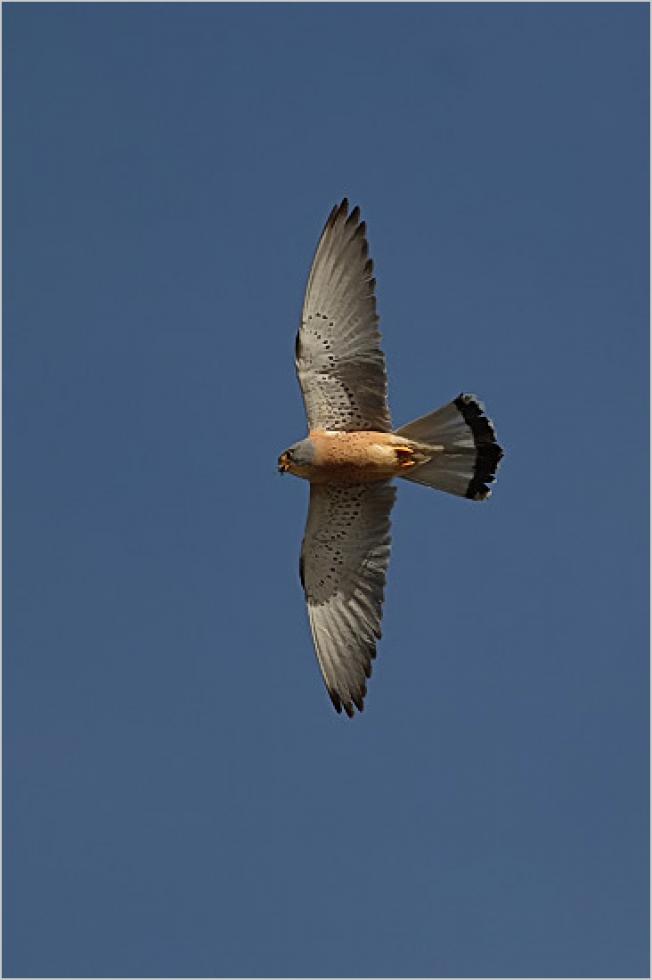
pixel 298 459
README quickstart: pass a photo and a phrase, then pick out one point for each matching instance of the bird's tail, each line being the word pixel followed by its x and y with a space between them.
pixel 460 448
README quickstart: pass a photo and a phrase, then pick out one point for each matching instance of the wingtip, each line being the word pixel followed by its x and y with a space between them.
pixel 349 705
pixel 338 211
pixel 335 213
pixel 335 699
pixel 354 218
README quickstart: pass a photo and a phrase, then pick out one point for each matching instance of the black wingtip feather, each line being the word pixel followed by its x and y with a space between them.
pixel 339 210
pixel 348 706
pixel 354 217
pixel 335 698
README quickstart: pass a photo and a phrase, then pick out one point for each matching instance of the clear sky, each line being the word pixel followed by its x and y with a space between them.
pixel 180 797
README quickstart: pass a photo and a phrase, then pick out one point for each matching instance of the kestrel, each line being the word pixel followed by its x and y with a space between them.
pixel 352 453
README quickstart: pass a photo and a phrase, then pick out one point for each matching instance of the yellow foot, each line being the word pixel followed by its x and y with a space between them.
pixel 404 456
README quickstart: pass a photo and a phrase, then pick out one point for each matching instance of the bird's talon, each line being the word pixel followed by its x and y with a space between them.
pixel 404 456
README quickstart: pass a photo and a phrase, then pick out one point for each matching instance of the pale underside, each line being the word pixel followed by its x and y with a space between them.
pixel 346 547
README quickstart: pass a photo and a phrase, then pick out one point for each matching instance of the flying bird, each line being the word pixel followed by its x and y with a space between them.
pixel 352 453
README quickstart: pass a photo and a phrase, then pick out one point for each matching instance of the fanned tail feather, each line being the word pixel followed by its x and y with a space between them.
pixel 464 452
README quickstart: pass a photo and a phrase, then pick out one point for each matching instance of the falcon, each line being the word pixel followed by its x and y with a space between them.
pixel 352 453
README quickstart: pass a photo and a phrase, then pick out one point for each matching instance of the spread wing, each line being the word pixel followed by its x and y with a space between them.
pixel 340 365
pixel 343 567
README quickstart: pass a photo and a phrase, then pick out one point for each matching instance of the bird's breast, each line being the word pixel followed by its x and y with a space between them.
pixel 355 457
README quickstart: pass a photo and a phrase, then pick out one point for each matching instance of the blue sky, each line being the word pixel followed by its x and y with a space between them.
pixel 180 798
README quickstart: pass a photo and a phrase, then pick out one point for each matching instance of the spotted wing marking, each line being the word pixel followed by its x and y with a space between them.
pixel 340 365
pixel 343 569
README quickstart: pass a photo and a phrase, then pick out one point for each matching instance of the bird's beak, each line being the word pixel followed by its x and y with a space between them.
pixel 283 464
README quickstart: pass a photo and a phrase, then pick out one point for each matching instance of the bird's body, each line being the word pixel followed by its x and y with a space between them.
pixel 352 453
pixel 355 457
